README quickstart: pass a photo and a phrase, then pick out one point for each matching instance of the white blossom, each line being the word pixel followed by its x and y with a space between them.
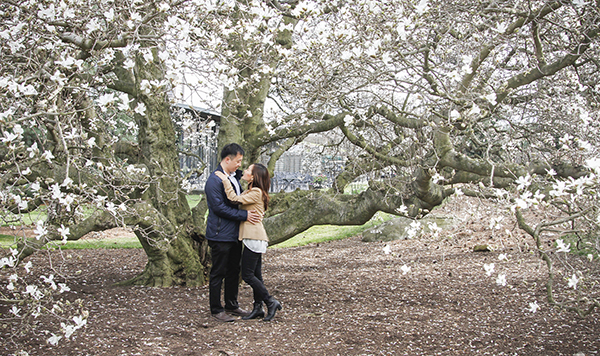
pixel 559 189
pixel 348 120
pixel 422 7
pixel 434 228
pixel 489 268
pixel 40 230
pixel 28 266
pixel 140 108
pixel 63 288
pixel 501 27
pixel 110 14
pixel 64 232
pixel 593 164
pixel 533 306
pixel 92 25
pixel 68 329
pixel 34 292
pixel 47 155
pixel 491 98
pixel 523 182
pixel 80 321
pixel 474 111
pixel 562 247
pixel 402 210
pixel 110 206
pixel 129 63
pixel 573 281
pixel 49 280
pixel 9 137
pixel 54 339
pixel 405 269
pixel 56 192
pixel 454 115
pixel 105 100
pixel 33 150
pixel 495 222
pixel 501 280
pixel 15 311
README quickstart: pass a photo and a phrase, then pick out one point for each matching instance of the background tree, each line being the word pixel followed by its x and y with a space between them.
pixel 428 94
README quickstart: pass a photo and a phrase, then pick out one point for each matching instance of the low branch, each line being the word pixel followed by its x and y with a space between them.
pixel 91 44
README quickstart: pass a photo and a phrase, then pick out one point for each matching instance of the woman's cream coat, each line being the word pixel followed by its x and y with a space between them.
pixel 251 199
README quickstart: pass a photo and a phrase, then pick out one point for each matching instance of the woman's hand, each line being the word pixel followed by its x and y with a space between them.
pixel 220 175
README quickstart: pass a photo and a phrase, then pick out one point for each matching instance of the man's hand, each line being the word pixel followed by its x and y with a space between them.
pixel 254 217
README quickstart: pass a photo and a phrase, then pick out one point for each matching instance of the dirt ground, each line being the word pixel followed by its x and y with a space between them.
pixel 344 297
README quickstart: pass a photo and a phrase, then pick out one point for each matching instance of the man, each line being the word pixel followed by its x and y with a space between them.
pixel 222 231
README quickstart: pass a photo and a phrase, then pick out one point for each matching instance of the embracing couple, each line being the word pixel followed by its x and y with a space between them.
pixel 236 235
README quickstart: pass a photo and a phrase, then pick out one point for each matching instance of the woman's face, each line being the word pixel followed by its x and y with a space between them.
pixel 247 176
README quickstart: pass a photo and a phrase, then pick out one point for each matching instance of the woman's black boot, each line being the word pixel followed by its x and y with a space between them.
pixel 257 312
pixel 272 307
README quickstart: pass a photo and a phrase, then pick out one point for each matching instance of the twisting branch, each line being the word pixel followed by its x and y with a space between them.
pixel 535 233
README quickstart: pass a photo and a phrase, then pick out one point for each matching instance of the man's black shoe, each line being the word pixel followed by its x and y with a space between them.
pixel 237 312
pixel 222 316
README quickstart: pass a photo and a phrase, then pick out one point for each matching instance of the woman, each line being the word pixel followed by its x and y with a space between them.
pixel 254 236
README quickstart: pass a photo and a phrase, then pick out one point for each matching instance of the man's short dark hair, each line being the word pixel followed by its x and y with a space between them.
pixel 231 149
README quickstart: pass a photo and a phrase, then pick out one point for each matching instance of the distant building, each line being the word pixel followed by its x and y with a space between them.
pixel 302 167
pixel 197 142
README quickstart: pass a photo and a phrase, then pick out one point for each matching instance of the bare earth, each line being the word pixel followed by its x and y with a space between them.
pixel 340 298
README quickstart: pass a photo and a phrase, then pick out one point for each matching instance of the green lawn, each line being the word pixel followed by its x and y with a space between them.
pixel 324 233
pixel 313 235
pixel 7 241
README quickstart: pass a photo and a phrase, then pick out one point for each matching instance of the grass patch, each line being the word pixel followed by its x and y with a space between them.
pixel 323 233
pixel 356 188
pixel 193 199
pixel 581 247
pixel 7 241
pixel 117 242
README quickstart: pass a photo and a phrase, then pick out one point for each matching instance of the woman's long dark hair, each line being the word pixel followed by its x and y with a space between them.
pixel 261 180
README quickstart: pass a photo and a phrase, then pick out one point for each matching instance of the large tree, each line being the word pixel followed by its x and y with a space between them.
pixel 429 94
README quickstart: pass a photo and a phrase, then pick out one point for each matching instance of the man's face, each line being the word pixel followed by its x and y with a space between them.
pixel 230 164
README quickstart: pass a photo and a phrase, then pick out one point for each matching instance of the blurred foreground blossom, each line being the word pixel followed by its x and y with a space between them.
pixel 405 269
pixel 533 307
pixel 489 268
